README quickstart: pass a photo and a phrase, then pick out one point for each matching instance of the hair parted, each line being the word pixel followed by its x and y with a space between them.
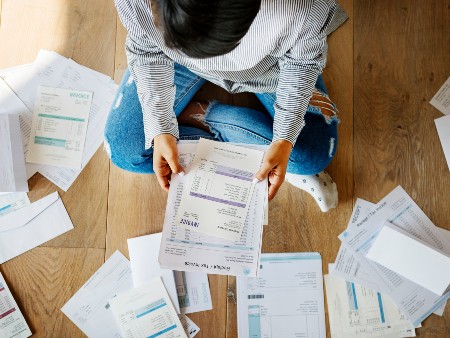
pixel 204 28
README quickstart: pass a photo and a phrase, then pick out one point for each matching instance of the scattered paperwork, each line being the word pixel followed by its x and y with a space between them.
pixel 32 225
pixel 12 322
pixel 218 189
pixel 414 301
pixel 89 308
pixel 357 311
pixel 58 130
pixel 12 165
pixel 187 250
pixel 53 70
pixel 147 311
pixel 285 300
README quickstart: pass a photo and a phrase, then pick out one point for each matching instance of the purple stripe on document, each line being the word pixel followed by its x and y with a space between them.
pixel 235 173
pixel 215 199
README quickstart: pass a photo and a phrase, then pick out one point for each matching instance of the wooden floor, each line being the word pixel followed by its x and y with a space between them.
pixel 384 65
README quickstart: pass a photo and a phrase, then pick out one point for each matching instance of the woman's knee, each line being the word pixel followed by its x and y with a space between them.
pixel 315 146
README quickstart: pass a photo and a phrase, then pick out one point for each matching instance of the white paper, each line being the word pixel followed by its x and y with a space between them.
pixel 12 322
pixel 413 259
pixel 33 225
pixel 59 126
pixel 189 326
pixel 51 69
pixel 12 165
pixel 357 311
pixel 186 250
pixel 13 202
pixel 219 189
pixel 147 312
pixel 441 100
pixel 399 209
pixel 285 300
pixel 9 102
pixel 89 308
pixel 443 129
pixel 145 266
pixel 193 290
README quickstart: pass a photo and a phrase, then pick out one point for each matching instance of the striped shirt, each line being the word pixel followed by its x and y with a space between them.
pixel 283 52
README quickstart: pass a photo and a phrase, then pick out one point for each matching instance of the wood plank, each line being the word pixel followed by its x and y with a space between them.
pixel 401 59
pixel 71 28
pixel 44 279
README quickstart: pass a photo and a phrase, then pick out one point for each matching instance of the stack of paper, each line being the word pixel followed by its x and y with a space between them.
pixel 399 212
pixel 184 249
pixel 218 189
pixel 109 305
pixel 19 93
pixel 442 102
pixel 285 300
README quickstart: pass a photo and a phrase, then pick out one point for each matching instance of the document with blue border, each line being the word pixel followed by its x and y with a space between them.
pixel 286 299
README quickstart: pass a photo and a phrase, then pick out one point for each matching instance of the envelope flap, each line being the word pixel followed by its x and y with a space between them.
pixel 25 215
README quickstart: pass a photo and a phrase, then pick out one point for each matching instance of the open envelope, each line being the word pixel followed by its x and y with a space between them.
pixel 32 225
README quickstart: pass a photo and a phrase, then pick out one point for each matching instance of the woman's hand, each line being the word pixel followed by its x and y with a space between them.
pixel 165 159
pixel 274 165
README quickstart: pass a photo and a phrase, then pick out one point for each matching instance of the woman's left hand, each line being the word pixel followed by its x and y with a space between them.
pixel 274 165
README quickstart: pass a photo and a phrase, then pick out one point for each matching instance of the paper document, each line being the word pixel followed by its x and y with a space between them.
pixel 219 189
pixel 441 100
pixel 32 225
pixel 147 311
pixel 89 308
pixel 9 102
pixel 443 129
pixel 413 259
pixel 12 165
pixel 357 311
pixel 13 202
pixel 53 70
pixel 145 267
pixel 399 209
pixel 59 127
pixel 186 250
pixel 12 322
pixel 285 300
pixel 189 326
pixel 193 290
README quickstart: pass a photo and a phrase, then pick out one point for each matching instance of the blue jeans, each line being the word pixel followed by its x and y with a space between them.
pixel 125 141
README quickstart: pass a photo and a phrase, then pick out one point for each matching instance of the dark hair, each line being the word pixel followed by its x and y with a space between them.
pixel 204 28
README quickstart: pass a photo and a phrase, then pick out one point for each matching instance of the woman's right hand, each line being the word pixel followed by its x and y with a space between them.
pixel 165 159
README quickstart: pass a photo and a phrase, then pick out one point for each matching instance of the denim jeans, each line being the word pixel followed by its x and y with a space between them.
pixel 125 141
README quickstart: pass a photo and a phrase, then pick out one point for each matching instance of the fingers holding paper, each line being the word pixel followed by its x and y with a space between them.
pixel 165 159
pixel 274 165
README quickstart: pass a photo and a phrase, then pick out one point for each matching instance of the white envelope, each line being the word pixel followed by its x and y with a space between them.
pixel 411 258
pixel 32 225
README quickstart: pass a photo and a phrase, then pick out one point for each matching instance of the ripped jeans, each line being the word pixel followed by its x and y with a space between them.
pixel 125 141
